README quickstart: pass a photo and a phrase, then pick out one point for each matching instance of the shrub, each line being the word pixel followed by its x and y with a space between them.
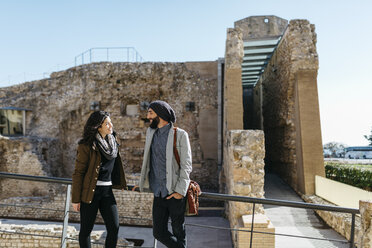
pixel 354 175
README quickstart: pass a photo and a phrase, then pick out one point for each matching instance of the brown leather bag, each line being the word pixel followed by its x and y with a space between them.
pixel 193 191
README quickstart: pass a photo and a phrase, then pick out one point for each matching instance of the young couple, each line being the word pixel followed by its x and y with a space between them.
pixel 98 169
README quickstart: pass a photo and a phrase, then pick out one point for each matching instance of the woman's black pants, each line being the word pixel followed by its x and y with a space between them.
pixel 103 200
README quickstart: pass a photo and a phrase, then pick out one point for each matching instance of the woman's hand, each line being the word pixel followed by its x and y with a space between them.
pixel 175 195
pixel 76 206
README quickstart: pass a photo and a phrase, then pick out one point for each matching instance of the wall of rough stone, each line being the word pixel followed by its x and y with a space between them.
pixel 31 156
pixel 48 236
pixel 61 104
pixel 340 222
pixel 244 172
pixel 261 27
pixel 233 91
pixel 365 208
pixel 134 208
pixel 295 52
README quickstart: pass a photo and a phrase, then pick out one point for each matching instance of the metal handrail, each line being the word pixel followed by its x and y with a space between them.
pixel 208 195
pixel 284 203
pixel 221 197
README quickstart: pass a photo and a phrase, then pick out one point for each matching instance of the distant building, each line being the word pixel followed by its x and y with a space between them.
pixel 359 152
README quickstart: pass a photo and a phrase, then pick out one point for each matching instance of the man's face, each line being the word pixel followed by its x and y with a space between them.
pixel 153 118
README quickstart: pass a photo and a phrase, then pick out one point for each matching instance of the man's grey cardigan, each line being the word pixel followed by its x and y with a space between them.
pixel 178 177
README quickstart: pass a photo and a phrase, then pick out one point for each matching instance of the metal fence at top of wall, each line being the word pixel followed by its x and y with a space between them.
pixel 112 54
pixel 214 196
pixel 95 54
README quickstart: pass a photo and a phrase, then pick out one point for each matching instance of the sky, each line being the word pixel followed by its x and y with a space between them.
pixel 39 37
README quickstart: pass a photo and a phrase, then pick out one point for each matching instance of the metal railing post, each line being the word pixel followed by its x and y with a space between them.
pixel 65 219
pixel 254 205
pixel 155 243
pixel 352 230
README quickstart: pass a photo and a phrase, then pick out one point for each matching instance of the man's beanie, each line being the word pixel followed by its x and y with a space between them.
pixel 163 110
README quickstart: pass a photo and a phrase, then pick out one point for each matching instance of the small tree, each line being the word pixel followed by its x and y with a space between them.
pixel 369 138
pixel 336 148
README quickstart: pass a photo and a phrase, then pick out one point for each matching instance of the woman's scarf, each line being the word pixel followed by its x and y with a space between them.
pixel 107 146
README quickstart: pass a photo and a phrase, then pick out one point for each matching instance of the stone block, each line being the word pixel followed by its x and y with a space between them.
pixel 261 224
pixel 365 208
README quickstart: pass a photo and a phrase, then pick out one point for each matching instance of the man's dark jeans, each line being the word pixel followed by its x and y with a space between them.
pixel 103 200
pixel 162 209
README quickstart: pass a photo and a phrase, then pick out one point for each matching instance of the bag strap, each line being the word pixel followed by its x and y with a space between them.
pixel 175 151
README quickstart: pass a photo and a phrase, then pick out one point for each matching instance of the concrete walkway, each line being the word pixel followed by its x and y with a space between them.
pixel 296 221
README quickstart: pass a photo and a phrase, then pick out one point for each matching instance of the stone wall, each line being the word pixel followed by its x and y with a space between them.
pixel 341 222
pixel 62 103
pixel 233 92
pixel 31 156
pixel 365 208
pixel 36 156
pixel 261 27
pixel 244 172
pixel 134 208
pixel 47 236
pixel 285 107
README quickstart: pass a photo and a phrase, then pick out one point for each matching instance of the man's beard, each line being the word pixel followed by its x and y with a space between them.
pixel 154 123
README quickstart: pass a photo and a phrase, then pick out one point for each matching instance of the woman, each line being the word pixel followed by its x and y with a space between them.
pixel 98 169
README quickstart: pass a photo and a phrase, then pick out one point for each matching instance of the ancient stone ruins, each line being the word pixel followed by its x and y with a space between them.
pixel 256 109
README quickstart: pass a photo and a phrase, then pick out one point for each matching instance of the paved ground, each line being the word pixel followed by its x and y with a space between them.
pixel 198 237
pixel 296 221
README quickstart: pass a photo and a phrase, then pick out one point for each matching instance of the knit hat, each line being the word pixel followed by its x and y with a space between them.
pixel 163 110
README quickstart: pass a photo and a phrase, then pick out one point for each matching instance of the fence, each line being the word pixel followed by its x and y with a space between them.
pixel 95 54
pixel 113 54
pixel 213 196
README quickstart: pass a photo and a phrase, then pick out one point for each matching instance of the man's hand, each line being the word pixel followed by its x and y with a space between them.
pixel 175 195
pixel 76 206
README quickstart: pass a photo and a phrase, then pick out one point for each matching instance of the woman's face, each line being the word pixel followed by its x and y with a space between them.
pixel 106 127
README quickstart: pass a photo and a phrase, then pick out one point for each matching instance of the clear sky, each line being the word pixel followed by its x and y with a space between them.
pixel 38 37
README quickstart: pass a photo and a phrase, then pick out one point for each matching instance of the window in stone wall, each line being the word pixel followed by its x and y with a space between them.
pixel 190 106
pixel 12 121
pixel 144 105
pixel 132 109
pixel 95 106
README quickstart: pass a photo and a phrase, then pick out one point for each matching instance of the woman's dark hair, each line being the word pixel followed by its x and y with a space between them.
pixel 94 121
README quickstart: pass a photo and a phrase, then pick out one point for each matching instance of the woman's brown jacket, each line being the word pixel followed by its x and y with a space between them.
pixel 84 178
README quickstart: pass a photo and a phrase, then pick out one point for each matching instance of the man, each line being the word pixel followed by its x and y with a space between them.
pixel 163 176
